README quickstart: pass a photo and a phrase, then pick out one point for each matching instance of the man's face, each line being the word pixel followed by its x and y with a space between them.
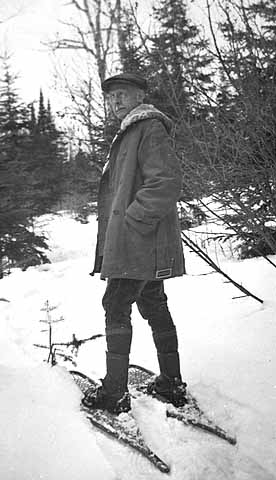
pixel 122 99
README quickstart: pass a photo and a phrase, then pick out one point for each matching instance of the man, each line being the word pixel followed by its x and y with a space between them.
pixel 139 243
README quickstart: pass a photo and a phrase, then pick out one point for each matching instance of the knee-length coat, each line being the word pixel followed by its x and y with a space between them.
pixel 138 227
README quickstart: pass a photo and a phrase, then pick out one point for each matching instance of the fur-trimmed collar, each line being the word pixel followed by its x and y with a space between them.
pixel 143 112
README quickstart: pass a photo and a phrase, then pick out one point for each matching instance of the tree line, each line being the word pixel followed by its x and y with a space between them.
pixel 38 175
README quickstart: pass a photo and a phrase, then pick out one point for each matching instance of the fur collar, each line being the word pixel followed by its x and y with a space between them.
pixel 143 112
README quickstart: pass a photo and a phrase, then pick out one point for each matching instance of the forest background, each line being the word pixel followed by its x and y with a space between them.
pixel 216 79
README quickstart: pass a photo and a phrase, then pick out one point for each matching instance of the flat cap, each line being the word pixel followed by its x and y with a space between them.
pixel 125 78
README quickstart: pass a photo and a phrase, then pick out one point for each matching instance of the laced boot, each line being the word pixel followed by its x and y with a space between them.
pixel 101 399
pixel 169 383
pixel 171 389
pixel 112 395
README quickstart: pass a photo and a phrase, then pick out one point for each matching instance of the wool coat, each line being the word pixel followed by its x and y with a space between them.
pixel 138 227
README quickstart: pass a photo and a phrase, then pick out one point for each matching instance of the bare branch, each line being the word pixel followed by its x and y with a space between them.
pixel 218 51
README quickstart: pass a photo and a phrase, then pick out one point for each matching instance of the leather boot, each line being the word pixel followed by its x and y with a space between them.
pixel 169 384
pixel 112 395
pixel 169 364
pixel 115 381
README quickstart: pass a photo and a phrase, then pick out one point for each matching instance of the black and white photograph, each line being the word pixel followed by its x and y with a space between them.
pixel 138 239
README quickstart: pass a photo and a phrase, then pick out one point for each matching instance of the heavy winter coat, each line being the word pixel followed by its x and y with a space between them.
pixel 138 228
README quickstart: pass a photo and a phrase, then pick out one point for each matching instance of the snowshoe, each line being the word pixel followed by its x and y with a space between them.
pixel 121 427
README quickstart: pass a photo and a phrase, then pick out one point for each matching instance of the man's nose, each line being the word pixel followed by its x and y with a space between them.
pixel 118 104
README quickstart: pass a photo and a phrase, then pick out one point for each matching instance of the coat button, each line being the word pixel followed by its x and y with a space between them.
pixel 116 212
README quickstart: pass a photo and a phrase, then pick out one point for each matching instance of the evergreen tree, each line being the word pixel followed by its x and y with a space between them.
pixel 19 244
pixel 178 64
pixel 245 122
pixel 47 158
pixel 43 117
pixel 33 117
pixel 131 49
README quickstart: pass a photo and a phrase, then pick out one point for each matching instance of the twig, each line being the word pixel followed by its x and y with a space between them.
pixel 76 343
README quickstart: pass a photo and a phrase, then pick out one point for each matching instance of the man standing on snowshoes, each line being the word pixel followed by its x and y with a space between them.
pixel 139 243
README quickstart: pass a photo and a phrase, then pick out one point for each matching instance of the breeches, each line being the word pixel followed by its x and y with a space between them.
pixel 151 301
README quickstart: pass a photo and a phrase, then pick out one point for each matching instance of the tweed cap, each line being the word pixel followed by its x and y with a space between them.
pixel 125 78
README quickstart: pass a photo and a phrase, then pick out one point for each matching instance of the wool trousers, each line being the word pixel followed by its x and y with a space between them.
pixel 151 301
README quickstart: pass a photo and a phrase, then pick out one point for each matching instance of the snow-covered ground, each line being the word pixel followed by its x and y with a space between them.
pixel 228 356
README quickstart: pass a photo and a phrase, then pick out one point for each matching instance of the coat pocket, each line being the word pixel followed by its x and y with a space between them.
pixel 138 247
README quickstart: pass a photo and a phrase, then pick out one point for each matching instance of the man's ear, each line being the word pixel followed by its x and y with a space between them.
pixel 140 96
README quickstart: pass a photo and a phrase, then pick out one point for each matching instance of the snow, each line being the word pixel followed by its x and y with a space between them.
pixel 228 358
pixel 39 422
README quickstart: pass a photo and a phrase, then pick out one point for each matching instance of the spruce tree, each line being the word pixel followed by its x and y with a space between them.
pixel 131 49
pixel 19 244
pixel 47 158
pixel 245 123
pixel 177 64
